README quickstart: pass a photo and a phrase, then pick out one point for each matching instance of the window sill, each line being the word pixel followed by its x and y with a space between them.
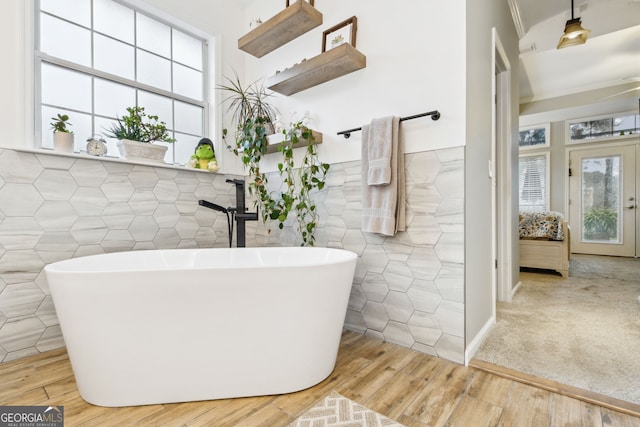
pixel 84 155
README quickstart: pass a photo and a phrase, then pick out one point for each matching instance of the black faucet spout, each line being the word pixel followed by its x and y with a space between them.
pixel 236 181
pixel 247 216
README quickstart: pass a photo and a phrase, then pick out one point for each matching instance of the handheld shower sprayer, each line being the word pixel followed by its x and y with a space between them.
pixel 229 212
pixel 213 206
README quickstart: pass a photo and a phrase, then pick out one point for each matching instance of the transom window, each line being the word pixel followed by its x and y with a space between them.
pixel 536 136
pixel 95 58
pixel 605 127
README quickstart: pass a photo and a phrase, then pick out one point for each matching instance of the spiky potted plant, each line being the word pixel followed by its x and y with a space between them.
pixel 63 139
pixel 136 133
pixel 249 103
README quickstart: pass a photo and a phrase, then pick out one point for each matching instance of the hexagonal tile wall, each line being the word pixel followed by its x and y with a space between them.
pixel 408 289
pixel 54 207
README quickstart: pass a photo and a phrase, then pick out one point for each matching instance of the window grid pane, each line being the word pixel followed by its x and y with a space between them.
pixel 153 36
pixel 187 50
pixel 113 52
pixel 114 20
pixel 153 70
pixel 114 57
pixel 71 10
pixel 605 128
pixel 56 84
pixel 111 99
pixel 57 35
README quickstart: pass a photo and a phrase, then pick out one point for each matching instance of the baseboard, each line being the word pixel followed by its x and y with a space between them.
pixel 556 387
pixel 515 288
pixel 477 341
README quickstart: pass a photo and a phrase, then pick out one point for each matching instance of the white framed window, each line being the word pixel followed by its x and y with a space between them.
pixel 535 136
pixel 95 58
pixel 606 127
pixel 533 182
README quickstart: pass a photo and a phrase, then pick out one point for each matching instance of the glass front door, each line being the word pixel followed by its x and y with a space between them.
pixel 603 201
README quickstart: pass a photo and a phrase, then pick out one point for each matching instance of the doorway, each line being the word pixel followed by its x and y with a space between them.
pixel 603 194
pixel 501 176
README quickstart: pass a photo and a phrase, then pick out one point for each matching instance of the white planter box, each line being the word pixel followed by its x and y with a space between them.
pixel 63 142
pixel 134 150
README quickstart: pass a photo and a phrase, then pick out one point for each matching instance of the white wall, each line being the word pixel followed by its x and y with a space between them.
pixel 409 70
pixel 480 18
pixel 12 73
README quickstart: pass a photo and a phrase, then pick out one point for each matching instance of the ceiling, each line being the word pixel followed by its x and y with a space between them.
pixel 609 59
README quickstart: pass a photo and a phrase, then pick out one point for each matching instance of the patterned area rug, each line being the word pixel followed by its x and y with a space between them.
pixel 336 410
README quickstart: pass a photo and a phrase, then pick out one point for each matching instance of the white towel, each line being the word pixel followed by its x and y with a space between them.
pixel 379 148
pixel 383 206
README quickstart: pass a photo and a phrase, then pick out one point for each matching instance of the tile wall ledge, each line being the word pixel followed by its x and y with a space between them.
pixel 83 155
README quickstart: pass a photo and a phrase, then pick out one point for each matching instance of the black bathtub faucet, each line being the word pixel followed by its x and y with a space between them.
pixel 239 213
pixel 242 215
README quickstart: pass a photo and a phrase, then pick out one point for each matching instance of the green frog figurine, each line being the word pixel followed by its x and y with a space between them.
pixel 204 156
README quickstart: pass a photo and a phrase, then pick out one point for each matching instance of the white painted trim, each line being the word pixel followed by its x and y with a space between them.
pixel 515 289
pixel 29 127
pixel 215 123
pixel 501 140
pixel 493 176
pixel 477 341
pixel 49 152
pixel 517 18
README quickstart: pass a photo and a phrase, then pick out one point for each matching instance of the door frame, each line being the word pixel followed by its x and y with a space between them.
pixel 500 171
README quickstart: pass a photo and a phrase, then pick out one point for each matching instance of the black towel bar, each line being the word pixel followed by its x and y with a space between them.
pixel 435 115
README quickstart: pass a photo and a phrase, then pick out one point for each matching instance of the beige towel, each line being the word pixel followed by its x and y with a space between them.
pixel 379 148
pixel 383 206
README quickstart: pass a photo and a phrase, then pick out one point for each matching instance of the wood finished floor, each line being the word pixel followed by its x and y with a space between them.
pixel 410 387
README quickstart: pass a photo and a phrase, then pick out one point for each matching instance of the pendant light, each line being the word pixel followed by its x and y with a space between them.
pixel 574 34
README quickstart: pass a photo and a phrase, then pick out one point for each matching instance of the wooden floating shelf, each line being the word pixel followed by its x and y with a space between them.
pixel 334 63
pixel 317 139
pixel 287 25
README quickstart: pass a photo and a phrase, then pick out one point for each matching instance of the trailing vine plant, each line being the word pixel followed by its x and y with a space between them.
pixel 298 183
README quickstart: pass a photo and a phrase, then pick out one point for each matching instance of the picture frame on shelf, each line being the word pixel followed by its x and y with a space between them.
pixel 310 2
pixel 344 32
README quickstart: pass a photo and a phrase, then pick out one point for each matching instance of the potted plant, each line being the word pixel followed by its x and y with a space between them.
pixel 298 181
pixel 137 131
pixel 62 136
pixel 254 120
pixel 249 103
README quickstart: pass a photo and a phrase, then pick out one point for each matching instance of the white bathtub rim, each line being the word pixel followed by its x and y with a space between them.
pixel 92 263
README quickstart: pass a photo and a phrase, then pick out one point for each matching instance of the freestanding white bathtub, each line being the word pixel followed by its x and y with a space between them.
pixel 160 326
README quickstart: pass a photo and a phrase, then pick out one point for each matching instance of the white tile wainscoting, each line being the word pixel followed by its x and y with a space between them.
pixel 408 288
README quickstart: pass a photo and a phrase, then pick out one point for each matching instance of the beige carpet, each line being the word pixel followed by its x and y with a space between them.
pixel 336 410
pixel 583 331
